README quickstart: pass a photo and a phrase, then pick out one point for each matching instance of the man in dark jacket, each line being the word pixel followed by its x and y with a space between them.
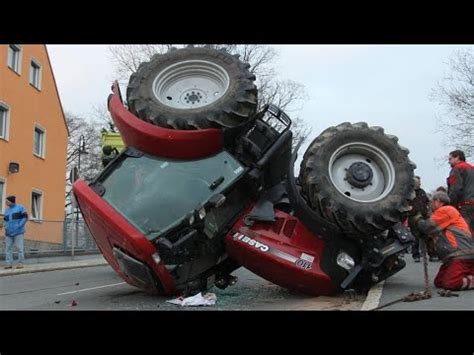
pixel 15 219
pixel 454 244
pixel 461 186
pixel 419 206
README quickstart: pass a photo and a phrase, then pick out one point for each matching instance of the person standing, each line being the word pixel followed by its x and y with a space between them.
pixel 420 206
pixel 15 219
pixel 461 186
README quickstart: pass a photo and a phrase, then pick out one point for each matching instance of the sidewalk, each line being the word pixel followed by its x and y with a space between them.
pixel 54 263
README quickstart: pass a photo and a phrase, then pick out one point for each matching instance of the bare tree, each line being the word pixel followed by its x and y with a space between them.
pixel 82 130
pixel 289 96
pixel 127 58
pixel 102 116
pixel 455 93
pixel 286 94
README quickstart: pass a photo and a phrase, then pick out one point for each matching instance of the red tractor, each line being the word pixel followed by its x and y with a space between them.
pixel 206 185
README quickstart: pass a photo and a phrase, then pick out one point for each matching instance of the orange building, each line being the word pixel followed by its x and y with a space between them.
pixel 33 139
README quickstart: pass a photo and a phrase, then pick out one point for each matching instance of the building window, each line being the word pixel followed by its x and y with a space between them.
pixel 14 57
pixel 35 74
pixel 39 141
pixel 2 196
pixel 4 124
pixel 36 205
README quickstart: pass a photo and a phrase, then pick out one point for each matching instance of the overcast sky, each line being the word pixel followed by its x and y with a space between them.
pixel 387 86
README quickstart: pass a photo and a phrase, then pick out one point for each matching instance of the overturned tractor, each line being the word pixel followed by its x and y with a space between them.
pixel 206 185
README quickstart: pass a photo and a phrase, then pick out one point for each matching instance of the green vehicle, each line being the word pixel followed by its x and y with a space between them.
pixel 112 145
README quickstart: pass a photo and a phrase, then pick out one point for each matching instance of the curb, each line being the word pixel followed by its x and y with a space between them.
pixel 54 266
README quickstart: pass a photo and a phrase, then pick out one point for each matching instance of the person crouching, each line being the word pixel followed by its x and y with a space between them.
pixel 453 242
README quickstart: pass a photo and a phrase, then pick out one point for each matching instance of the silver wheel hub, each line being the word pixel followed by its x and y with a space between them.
pixel 361 172
pixel 191 84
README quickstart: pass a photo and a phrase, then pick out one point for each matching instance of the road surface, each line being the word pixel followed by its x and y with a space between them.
pixel 99 288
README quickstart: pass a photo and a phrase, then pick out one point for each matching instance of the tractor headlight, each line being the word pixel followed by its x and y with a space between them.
pixel 345 261
pixel 202 213
pixel 191 219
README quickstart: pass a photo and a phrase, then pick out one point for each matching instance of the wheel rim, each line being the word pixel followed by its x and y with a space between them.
pixel 191 84
pixel 361 172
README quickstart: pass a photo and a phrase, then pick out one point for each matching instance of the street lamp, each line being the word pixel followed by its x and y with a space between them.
pixel 80 150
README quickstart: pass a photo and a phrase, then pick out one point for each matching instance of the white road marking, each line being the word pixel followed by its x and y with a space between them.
pixel 373 297
pixel 88 289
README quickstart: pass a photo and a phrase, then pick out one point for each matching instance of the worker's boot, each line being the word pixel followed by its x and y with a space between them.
pixel 8 267
pixel 19 266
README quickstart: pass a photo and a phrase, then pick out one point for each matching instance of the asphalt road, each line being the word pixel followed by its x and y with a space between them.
pixel 99 288
pixel 411 279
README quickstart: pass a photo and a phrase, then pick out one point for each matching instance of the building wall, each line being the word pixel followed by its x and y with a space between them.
pixel 29 106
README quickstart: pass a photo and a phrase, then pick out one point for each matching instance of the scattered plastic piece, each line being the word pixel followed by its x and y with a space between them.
pixel 209 299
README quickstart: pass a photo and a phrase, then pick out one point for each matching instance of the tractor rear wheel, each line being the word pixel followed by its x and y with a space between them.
pixel 193 88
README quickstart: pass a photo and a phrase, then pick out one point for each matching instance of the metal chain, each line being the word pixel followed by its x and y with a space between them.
pixel 424 255
pixel 416 296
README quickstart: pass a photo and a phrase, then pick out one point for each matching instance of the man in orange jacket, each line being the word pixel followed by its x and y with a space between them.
pixel 453 242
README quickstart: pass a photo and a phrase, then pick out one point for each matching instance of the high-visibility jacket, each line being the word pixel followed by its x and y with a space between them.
pixel 451 233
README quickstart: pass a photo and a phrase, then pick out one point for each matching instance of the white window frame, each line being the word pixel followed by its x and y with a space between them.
pixel 40 209
pixel 6 127
pixel 42 154
pixel 3 181
pixel 36 63
pixel 20 56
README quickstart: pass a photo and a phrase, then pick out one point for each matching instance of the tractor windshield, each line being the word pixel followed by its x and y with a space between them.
pixel 155 194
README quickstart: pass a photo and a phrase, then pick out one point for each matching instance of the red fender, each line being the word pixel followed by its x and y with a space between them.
pixel 159 141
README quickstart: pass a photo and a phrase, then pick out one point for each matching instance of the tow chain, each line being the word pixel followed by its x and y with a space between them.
pixel 417 296
pixel 425 267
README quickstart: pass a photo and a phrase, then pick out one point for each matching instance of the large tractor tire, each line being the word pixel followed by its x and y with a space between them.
pixel 358 178
pixel 193 88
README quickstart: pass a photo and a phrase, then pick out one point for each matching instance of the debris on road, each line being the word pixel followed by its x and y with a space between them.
pixel 209 299
pixel 349 296
pixel 447 293
pixel 73 303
